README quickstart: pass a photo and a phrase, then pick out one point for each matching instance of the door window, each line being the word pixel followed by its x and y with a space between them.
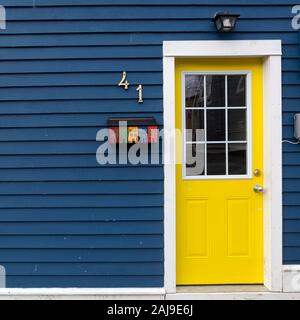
pixel 217 122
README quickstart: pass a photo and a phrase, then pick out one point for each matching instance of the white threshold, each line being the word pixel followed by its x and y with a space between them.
pixel 235 296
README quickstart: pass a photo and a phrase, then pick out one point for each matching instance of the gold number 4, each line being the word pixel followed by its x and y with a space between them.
pixel 124 83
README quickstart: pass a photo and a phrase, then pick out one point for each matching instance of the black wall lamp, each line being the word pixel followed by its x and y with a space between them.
pixel 225 22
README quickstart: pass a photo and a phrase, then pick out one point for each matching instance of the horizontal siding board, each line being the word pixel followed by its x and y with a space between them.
pixel 63 161
pixel 140 12
pixel 292 185
pixel 51 147
pixel 290 64
pixel 82 242
pixel 117 173
pixel 79 255
pixel 291 172
pixel 290 105
pixel 84 269
pixel 291 198
pixel 100 187
pixel 52 3
pixel 73 162
pixel 111 106
pixel 77 79
pixel 84 281
pixel 290 51
pixel 95 52
pixel 285 261
pixel 84 201
pixel 82 214
pixel 291 91
pixel 59 161
pixel 289 253
pixel 50 134
pixel 291 212
pixel 81 228
pixel 65 93
pixel 288 147
pixel 187 25
pixel 129 39
pixel 73 120
pixel 291 225
pixel 288 133
pixel 291 239
pixel 87 65
pixel 291 77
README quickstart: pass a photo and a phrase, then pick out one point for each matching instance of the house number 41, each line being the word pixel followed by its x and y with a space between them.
pixel 124 83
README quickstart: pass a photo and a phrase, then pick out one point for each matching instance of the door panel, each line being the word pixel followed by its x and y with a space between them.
pixel 196 228
pixel 219 216
pixel 238 227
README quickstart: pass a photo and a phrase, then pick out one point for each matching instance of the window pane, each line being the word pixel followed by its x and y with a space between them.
pixel 195 125
pixel 215 91
pixel 216 159
pixel 237 125
pixel 237 158
pixel 237 91
pixel 194 91
pixel 195 159
pixel 216 125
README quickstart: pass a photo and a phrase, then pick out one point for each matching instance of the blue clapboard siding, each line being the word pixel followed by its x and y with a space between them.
pixel 58 255
pixel 66 221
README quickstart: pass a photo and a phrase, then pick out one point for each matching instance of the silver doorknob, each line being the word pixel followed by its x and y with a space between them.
pixel 258 189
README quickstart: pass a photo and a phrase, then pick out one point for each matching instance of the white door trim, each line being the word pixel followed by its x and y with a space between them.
pixel 270 50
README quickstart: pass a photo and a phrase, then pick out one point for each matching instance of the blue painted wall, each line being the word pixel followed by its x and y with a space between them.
pixel 64 220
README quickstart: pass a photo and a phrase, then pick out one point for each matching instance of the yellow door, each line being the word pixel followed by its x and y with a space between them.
pixel 219 171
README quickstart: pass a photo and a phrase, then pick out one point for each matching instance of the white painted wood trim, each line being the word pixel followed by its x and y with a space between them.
pixel 291 278
pixel 169 175
pixel 235 48
pixel 271 51
pixel 273 172
pixel 85 293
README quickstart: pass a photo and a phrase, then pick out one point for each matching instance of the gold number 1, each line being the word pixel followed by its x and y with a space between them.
pixel 140 90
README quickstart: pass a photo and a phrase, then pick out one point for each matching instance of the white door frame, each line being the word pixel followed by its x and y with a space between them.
pixel 270 51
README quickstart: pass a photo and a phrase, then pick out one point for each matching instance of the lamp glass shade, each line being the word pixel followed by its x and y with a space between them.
pixel 225 22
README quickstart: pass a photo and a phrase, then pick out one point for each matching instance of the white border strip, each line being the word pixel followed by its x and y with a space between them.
pixel 236 48
pixel 105 293
pixel 273 172
pixel 170 176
